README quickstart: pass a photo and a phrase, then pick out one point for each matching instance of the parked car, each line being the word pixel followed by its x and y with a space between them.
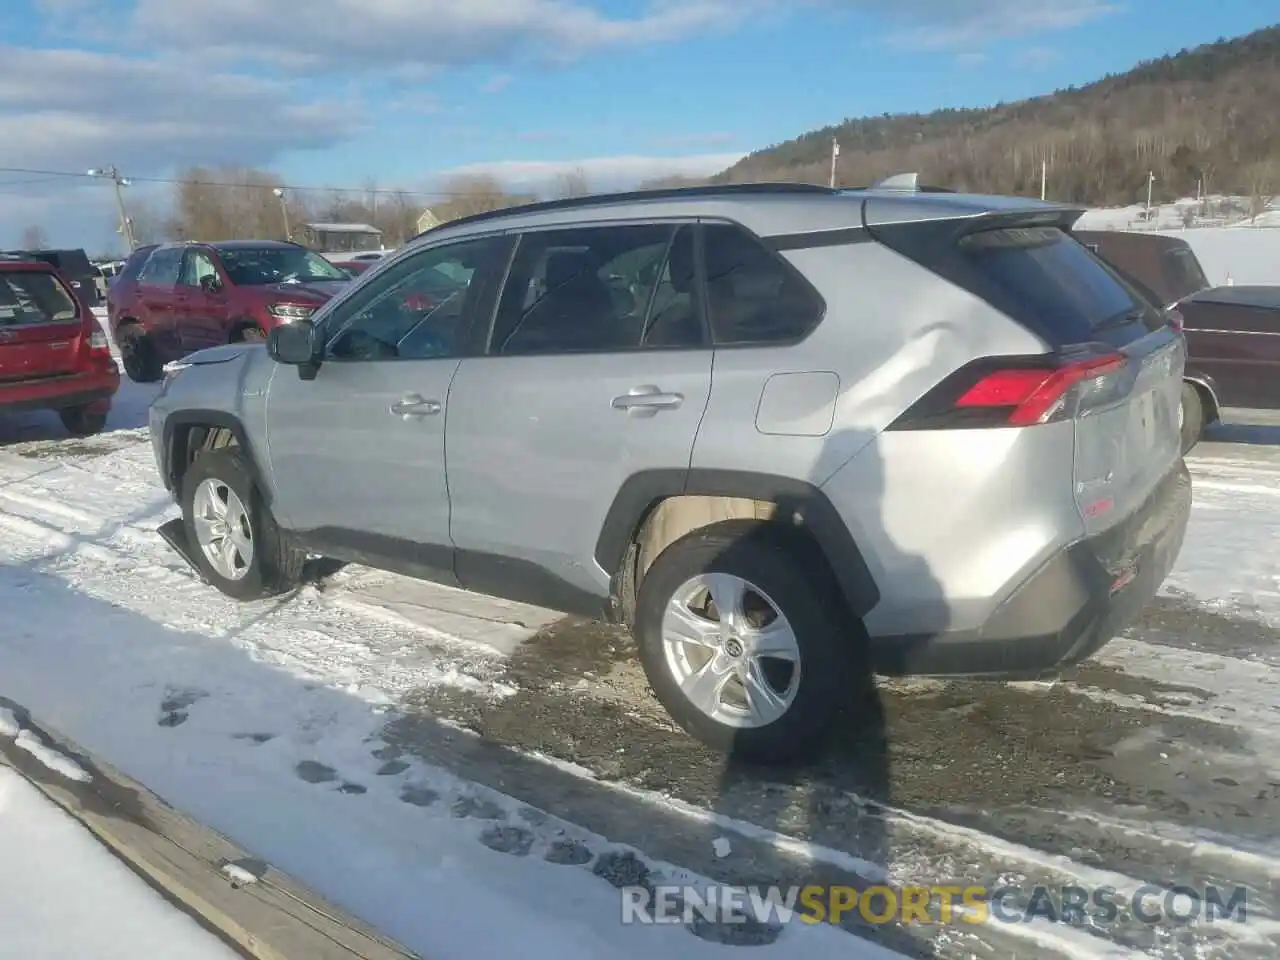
pixel 73 265
pixel 171 299
pixel 940 438
pixel 1233 354
pixel 53 353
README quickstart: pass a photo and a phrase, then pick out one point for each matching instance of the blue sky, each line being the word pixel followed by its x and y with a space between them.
pixel 339 92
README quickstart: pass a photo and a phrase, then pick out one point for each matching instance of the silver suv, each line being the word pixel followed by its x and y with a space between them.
pixel 785 433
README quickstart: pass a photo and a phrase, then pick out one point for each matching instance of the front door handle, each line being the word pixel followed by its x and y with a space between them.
pixel 415 405
pixel 646 401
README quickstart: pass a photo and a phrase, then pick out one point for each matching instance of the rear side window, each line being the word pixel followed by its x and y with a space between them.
pixel 162 269
pixel 752 296
pixel 1184 272
pixel 34 297
pixel 600 289
pixel 1045 279
pixel 133 266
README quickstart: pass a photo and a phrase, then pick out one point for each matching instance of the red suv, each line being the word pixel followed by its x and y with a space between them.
pixel 53 354
pixel 172 299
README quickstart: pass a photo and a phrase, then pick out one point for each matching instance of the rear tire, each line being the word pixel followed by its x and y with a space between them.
pixel 791 718
pixel 272 565
pixel 138 355
pixel 1191 414
pixel 82 422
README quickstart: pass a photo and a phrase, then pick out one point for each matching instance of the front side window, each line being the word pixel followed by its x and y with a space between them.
pixel 599 289
pixel 417 309
pixel 196 267
pixel 29 297
pixel 752 297
pixel 255 266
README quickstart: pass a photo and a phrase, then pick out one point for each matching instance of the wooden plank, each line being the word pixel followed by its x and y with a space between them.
pixel 254 907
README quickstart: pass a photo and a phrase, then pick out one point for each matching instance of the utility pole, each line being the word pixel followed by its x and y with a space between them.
pixel 117 181
pixel 1044 177
pixel 1151 179
pixel 835 152
pixel 284 212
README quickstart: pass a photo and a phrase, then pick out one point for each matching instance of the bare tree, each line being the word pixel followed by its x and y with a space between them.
pixel 474 193
pixel 230 203
pixel 572 183
pixel 1263 182
pixel 34 238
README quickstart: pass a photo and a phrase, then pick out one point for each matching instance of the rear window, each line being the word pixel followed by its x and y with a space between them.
pixel 28 298
pixel 1045 279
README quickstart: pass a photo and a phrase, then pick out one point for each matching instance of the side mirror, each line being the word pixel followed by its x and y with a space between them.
pixel 297 344
pixel 210 283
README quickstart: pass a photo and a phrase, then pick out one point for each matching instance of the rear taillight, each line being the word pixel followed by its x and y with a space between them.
pixel 99 345
pixel 1017 392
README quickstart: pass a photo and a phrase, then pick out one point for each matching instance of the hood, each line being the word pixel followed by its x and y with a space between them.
pixel 228 351
pixel 317 291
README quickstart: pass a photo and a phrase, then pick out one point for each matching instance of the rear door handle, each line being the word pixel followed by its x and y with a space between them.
pixel 415 405
pixel 647 401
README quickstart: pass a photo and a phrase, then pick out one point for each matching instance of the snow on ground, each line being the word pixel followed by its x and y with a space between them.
pixel 263 720
pixel 62 894
pixel 108 639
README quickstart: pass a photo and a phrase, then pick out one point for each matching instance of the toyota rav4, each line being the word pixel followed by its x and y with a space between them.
pixel 784 433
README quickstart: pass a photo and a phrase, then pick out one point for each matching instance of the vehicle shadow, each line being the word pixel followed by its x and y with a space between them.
pixel 1254 434
pixel 850 819
pixel 43 429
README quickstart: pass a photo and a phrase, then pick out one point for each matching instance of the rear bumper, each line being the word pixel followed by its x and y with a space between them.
pixel 1066 611
pixel 58 393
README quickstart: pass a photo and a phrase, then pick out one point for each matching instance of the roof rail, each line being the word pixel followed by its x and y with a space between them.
pixel 663 193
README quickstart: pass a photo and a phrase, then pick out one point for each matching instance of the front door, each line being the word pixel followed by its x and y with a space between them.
pixel 598 367
pixel 357 453
pixel 200 303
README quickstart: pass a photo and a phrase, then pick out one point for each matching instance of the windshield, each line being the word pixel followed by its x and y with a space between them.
pixel 253 266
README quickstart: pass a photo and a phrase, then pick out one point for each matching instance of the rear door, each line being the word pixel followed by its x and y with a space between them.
pixel 598 367
pixel 40 326
pixel 156 298
pixel 1127 436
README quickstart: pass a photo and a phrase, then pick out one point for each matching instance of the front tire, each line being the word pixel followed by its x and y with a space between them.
pixel 1191 418
pixel 138 355
pixel 233 537
pixel 765 683
pixel 82 422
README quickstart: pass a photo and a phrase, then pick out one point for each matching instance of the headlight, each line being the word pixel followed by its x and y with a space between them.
pixel 288 312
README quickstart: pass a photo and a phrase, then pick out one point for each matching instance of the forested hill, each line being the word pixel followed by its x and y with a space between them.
pixel 1213 111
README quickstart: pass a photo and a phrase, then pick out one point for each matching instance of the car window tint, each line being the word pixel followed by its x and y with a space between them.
pixel 133 266
pixel 256 266
pixel 417 309
pixel 162 269
pixel 29 298
pixel 752 296
pixel 586 289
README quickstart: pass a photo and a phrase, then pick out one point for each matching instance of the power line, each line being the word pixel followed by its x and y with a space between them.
pixel 53 175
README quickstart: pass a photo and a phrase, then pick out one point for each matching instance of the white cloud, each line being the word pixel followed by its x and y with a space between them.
pixel 972 24
pixel 603 173
pixel 375 34
pixel 69 110
pixel 1036 58
pixel 496 83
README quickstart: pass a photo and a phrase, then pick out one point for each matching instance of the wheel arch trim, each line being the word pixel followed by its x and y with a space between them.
pixel 802 502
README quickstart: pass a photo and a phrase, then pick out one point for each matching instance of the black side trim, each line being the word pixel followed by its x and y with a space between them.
pixel 174 444
pixel 818 238
pixel 519 581
pixel 795 498
pixel 1210 386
